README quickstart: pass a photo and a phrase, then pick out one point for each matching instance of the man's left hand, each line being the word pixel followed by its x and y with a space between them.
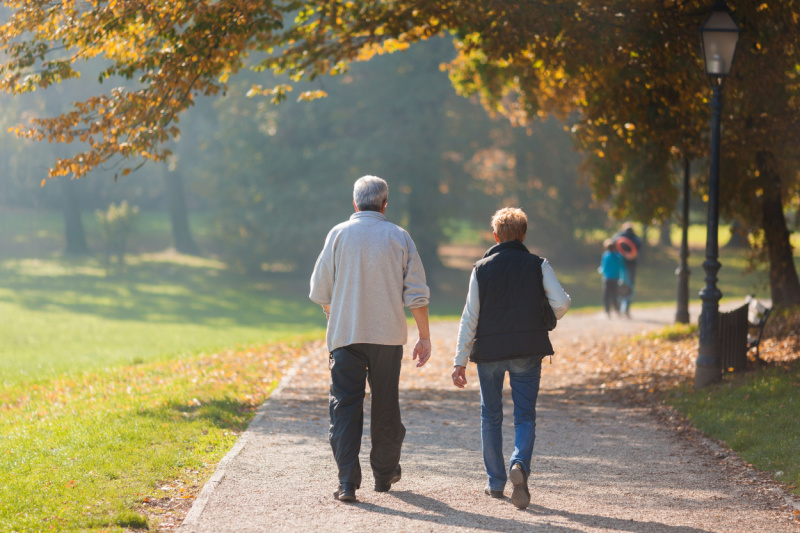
pixel 422 351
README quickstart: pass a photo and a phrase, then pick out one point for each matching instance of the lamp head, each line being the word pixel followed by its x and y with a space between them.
pixel 719 35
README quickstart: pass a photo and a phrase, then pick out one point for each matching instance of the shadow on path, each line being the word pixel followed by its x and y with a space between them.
pixel 438 512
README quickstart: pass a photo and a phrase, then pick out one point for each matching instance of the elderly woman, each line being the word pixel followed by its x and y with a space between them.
pixel 503 329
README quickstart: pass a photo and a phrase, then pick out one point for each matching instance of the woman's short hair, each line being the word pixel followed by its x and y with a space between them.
pixel 369 193
pixel 510 223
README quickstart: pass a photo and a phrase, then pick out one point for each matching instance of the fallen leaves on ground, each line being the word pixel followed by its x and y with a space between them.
pixel 640 369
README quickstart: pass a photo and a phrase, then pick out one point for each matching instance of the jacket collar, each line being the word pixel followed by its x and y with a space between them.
pixel 367 214
pixel 508 245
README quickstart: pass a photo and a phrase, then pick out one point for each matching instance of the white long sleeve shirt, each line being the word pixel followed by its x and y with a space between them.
pixel 556 295
pixel 368 271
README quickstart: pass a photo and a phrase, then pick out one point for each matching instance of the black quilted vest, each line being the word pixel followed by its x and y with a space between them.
pixel 510 324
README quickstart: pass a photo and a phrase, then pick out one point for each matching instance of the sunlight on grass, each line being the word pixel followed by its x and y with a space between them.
pixel 40 268
pixel 673 332
pixel 171 256
pixel 58 316
pixel 697 234
pixel 756 415
pixel 95 450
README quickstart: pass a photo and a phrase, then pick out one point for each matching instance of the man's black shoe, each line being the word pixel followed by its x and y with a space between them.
pixel 346 492
pixel 493 493
pixel 520 497
pixel 384 486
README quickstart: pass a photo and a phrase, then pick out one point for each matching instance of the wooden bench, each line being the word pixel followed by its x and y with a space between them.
pixel 733 329
pixel 740 330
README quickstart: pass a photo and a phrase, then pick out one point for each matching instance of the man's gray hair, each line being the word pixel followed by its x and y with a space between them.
pixel 369 193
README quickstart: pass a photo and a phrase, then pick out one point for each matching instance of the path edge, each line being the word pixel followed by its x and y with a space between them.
pixel 193 516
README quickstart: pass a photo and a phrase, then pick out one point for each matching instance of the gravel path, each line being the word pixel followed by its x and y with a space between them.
pixel 597 466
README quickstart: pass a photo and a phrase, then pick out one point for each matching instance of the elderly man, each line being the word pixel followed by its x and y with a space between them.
pixel 368 271
pixel 503 330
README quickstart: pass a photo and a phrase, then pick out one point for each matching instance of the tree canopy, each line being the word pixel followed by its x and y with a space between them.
pixel 279 177
pixel 627 72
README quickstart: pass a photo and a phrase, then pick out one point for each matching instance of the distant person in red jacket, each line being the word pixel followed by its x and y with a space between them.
pixel 629 245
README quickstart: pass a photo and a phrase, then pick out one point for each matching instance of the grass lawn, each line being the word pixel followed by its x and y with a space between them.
pixel 62 316
pixel 110 449
pixel 40 232
pixel 756 414
pixel 121 392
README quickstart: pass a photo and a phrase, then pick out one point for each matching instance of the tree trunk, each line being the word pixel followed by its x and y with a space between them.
pixel 738 236
pixel 176 203
pixel 424 225
pixel 645 242
pixel 73 225
pixel 664 236
pixel 783 281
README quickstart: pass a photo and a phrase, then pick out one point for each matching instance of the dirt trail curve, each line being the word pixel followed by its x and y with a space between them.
pixel 597 467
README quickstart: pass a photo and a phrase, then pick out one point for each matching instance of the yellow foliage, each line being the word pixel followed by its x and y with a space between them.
pixel 307 96
pixel 387 47
pixel 593 61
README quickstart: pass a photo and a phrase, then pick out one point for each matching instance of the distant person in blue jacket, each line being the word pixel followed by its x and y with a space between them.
pixel 612 268
pixel 629 245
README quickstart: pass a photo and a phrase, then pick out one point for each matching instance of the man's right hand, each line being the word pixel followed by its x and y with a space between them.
pixel 422 351
pixel 459 376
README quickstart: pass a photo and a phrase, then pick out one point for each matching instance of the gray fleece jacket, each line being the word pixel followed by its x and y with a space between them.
pixel 368 271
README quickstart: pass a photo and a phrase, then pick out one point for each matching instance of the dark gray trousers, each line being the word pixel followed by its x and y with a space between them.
pixel 351 367
pixel 610 297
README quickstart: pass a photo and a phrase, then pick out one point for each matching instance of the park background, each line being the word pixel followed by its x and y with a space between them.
pixel 125 381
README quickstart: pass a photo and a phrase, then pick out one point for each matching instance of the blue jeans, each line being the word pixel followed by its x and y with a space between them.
pixel 524 375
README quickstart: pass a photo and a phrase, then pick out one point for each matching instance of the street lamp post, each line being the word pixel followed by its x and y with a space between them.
pixel 718 37
pixel 682 313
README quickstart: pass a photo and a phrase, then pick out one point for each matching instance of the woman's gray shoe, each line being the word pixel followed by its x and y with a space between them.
pixel 521 497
